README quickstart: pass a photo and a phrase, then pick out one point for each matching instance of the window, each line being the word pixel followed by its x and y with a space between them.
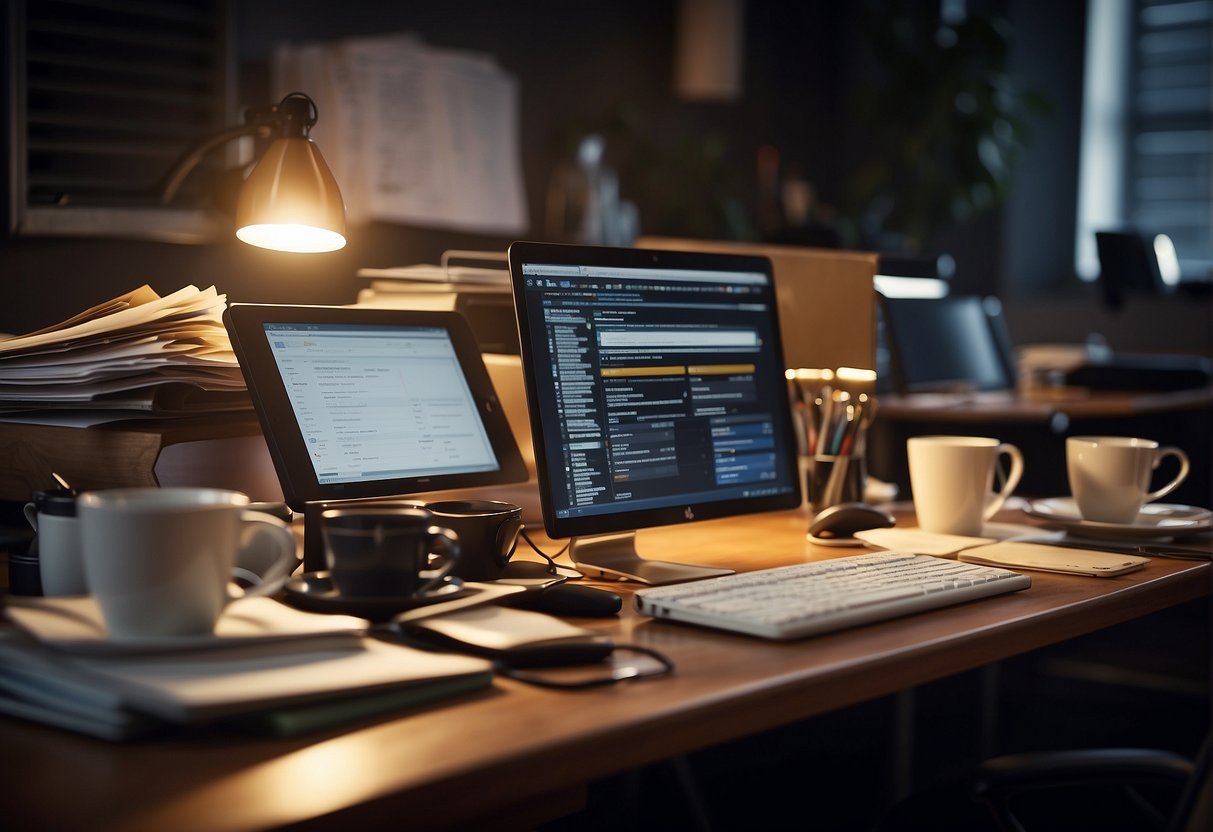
pixel 101 98
pixel 1147 147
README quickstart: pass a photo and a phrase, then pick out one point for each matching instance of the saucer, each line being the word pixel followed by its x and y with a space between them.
pixel 1156 521
pixel 314 591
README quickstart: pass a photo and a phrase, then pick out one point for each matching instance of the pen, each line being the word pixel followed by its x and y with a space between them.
pixel 1148 550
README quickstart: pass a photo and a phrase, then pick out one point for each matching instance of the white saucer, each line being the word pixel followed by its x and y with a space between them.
pixel 1156 521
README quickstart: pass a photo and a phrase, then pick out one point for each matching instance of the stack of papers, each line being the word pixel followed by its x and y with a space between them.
pixel 431 287
pixel 441 286
pixel 138 352
pixel 423 278
pixel 267 667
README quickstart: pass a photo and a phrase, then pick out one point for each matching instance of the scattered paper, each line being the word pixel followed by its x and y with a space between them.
pixel 138 352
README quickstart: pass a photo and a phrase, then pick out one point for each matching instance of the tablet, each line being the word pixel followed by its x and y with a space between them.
pixel 359 403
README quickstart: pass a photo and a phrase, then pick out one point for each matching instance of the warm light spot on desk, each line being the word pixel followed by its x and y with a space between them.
pixel 315 780
pixel 308 783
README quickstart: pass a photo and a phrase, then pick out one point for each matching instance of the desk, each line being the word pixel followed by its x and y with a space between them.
pixel 515 746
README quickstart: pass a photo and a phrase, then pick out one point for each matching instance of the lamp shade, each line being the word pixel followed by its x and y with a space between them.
pixel 290 201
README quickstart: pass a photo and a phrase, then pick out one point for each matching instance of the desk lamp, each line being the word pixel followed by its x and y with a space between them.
pixel 290 201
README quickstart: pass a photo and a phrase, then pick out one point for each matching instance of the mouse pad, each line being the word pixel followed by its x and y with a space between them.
pixel 919 542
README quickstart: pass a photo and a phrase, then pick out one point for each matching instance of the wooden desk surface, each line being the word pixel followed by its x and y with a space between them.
pixel 514 745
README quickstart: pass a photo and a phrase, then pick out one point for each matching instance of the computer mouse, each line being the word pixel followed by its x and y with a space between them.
pixel 567 599
pixel 838 523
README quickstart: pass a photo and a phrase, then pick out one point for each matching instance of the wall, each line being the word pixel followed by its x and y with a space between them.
pixel 591 65
pixel 608 64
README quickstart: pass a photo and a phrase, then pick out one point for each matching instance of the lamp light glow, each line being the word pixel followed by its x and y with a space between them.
pixel 302 239
pixel 290 201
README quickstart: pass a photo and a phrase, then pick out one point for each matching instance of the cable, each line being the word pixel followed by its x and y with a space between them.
pixel 551 559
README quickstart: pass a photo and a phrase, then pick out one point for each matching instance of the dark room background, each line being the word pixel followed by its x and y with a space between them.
pixel 821 87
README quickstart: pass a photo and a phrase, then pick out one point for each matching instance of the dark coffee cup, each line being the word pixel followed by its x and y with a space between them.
pixel 488 533
pixel 386 551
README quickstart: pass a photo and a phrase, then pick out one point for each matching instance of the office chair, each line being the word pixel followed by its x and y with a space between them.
pixel 1127 265
pixel 1000 782
pixel 1108 789
pixel 957 343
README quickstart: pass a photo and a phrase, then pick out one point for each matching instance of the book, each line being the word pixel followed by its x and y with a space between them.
pixel 305 675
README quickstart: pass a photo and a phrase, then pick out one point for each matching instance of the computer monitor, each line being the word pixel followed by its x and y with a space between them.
pixel 656 388
pixel 958 343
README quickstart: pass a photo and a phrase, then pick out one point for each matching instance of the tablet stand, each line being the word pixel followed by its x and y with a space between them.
pixel 313 537
pixel 614 556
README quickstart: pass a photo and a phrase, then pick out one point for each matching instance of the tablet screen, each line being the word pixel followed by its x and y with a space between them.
pixel 379 402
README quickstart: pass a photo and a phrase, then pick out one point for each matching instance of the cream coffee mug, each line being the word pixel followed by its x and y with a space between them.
pixel 1110 475
pixel 159 561
pixel 952 479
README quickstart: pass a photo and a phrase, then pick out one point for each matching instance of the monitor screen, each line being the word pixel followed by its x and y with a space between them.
pixel 656 386
pixel 955 343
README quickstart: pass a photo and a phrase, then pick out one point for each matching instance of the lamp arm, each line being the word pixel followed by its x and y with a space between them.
pixel 190 160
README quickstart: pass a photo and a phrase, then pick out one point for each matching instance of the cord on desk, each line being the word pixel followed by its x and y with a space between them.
pixel 551 559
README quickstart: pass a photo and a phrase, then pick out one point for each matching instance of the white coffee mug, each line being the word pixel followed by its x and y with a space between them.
pixel 1110 475
pixel 952 479
pixel 159 561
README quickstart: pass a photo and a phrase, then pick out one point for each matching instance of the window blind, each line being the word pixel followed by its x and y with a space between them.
pixel 107 94
pixel 1170 149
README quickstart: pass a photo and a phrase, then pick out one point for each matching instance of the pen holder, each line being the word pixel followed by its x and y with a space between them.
pixel 831 480
pixel 833 412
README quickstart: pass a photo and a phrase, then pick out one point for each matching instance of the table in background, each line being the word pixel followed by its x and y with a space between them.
pixel 1039 425
pixel 531 751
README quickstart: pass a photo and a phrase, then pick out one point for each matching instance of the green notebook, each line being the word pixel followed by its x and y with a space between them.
pixel 302 719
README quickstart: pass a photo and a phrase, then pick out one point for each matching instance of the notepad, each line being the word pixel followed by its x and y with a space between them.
pixel 1013 555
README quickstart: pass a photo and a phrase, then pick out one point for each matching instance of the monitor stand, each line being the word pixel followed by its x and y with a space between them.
pixel 614 556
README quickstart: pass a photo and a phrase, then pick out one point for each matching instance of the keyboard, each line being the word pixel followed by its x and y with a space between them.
pixel 806 599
